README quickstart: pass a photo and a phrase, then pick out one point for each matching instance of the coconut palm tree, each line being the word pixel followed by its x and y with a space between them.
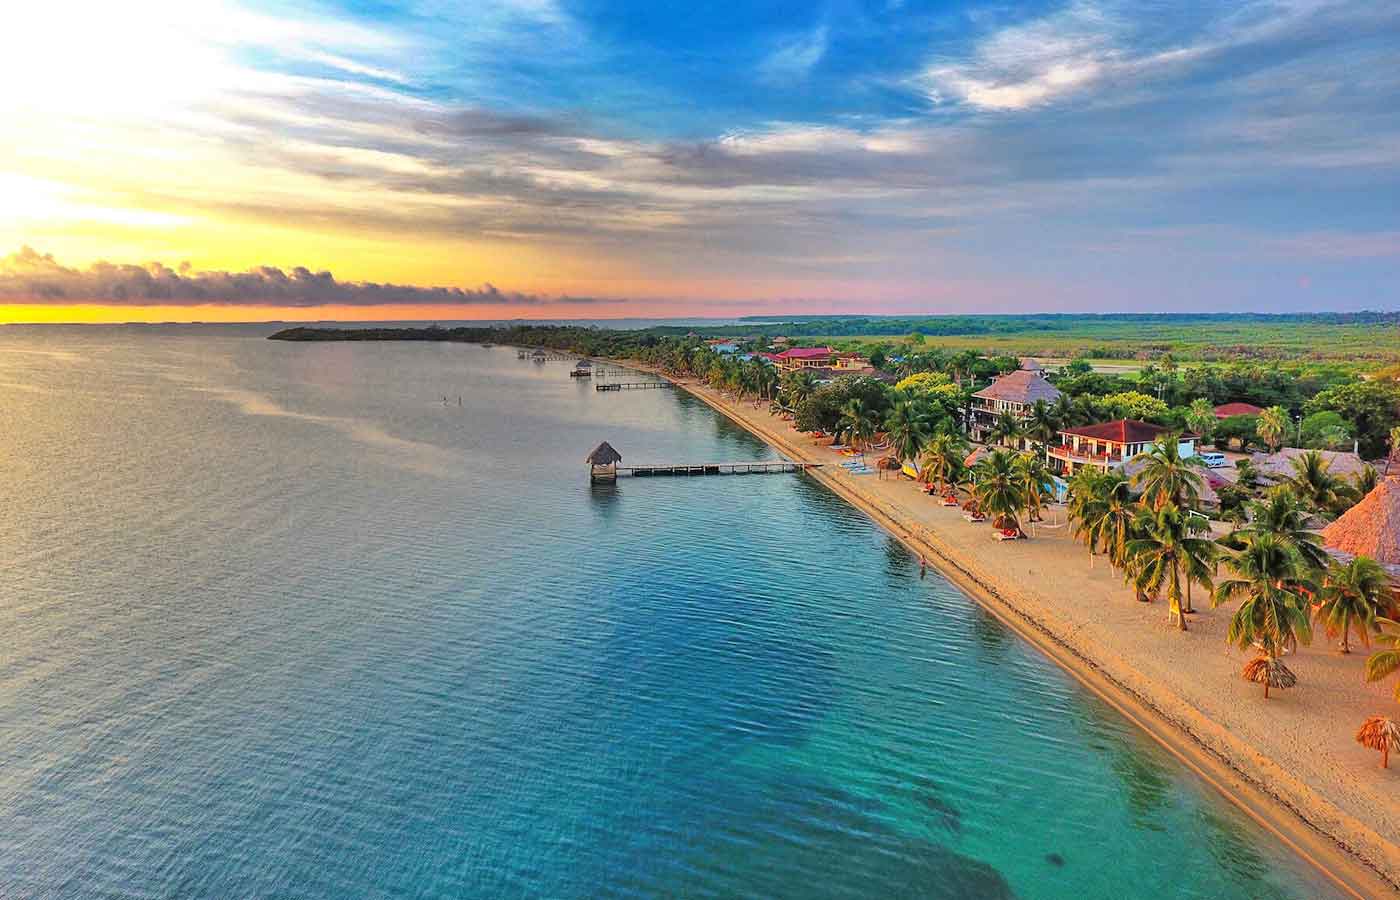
pixel 1380 733
pixel 997 488
pixel 943 455
pixel 1112 524
pixel 798 386
pixel 1200 417
pixel 908 429
pixel 1041 424
pixel 1273 427
pixel 1004 430
pixel 1166 476
pixel 858 421
pixel 1064 412
pixel 1169 553
pixel 1313 483
pixel 1281 515
pixel 1365 481
pixel 1273 614
pixel 1353 595
pixel 1035 483
pixel 1087 501
pixel 1384 662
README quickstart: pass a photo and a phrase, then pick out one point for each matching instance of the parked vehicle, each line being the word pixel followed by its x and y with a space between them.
pixel 1214 460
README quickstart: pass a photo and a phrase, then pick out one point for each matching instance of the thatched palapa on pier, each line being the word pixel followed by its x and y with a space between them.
pixel 602 462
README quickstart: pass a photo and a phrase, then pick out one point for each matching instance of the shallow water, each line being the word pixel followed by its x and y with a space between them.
pixel 277 621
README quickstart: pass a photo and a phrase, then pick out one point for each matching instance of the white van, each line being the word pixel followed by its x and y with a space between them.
pixel 1213 460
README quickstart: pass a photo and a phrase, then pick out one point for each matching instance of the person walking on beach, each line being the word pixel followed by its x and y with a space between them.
pixel 923 568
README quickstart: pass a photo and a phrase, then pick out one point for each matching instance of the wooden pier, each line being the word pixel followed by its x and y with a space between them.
pixel 633 385
pixel 770 467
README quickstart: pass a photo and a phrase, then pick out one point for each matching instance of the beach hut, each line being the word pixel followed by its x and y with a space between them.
pixel 602 463
pixel 1371 527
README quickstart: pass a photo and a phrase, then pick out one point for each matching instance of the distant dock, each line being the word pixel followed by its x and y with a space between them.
pixel 633 385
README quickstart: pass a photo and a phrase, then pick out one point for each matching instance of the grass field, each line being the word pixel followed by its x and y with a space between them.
pixel 1110 344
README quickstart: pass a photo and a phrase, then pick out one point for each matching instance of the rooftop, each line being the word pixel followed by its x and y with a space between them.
pixel 1122 431
pixel 1021 386
pixel 603 455
pixel 807 353
pixel 1225 410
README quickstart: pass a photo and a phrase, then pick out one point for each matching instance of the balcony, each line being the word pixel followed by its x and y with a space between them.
pixel 1084 457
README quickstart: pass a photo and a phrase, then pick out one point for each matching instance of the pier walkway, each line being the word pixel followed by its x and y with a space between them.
pixel 633 385
pixel 769 467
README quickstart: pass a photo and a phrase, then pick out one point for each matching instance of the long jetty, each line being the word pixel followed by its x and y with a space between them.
pixel 771 467
pixel 633 385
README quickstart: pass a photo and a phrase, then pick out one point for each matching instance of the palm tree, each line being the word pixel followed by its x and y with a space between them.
pixel 1313 483
pixel 1166 476
pixel 1383 662
pixel 1005 429
pixel 1273 615
pixel 1272 427
pixel 858 421
pixel 1064 412
pixel 1353 594
pixel 798 386
pixel 1035 482
pixel 1170 554
pixel 1113 527
pixel 1279 514
pixel 1365 481
pixel 1088 497
pixel 998 489
pixel 908 429
pixel 1200 417
pixel 943 455
pixel 1041 424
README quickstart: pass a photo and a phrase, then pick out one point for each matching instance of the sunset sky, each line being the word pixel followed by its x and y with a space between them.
pixel 196 159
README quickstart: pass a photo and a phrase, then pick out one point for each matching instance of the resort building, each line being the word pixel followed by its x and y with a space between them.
pixel 851 362
pixel 806 358
pixel 1015 393
pixel 1109 445
pixel 1372 527
pixel 724 347
pixel 1226 410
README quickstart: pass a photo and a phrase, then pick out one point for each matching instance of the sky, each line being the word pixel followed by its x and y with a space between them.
pixel 430 159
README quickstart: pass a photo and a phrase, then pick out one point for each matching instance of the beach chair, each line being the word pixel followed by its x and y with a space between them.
pixel 1006 534
pixel 974 517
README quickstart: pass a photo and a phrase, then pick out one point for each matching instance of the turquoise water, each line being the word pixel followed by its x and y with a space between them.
pixel 277 622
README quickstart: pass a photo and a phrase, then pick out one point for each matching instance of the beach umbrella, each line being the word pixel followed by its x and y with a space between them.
pixel 1380 733
pixel 1269 672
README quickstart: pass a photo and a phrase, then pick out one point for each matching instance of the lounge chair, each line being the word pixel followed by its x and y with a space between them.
pixel 974 517
pixel 1007 534
pixel 950 500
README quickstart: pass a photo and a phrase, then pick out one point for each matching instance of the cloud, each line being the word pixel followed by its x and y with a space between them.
pixel 32 277
pixel 795 56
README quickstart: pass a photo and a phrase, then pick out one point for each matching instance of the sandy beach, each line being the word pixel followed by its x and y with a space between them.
pixel 1289 761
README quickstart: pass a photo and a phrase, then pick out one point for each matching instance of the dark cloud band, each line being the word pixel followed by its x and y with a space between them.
pixel 32 277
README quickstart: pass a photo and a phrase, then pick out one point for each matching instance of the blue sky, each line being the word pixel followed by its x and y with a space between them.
pixel 890 155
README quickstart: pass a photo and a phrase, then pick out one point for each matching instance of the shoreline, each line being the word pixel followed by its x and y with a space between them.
pixel 1353 853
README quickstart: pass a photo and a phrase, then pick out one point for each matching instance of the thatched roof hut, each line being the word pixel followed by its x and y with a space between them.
pixel 1270 673
pixel 604 455
pixel 1371 527
pixel 1380 733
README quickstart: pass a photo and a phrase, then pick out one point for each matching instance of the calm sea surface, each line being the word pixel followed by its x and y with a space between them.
pixel 275 621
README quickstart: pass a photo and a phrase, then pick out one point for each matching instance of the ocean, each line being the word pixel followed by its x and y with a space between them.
pixel 286 620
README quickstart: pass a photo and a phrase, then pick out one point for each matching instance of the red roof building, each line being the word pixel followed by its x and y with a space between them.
pixel 806 358
pixel 1109 445
pixel 1226 410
